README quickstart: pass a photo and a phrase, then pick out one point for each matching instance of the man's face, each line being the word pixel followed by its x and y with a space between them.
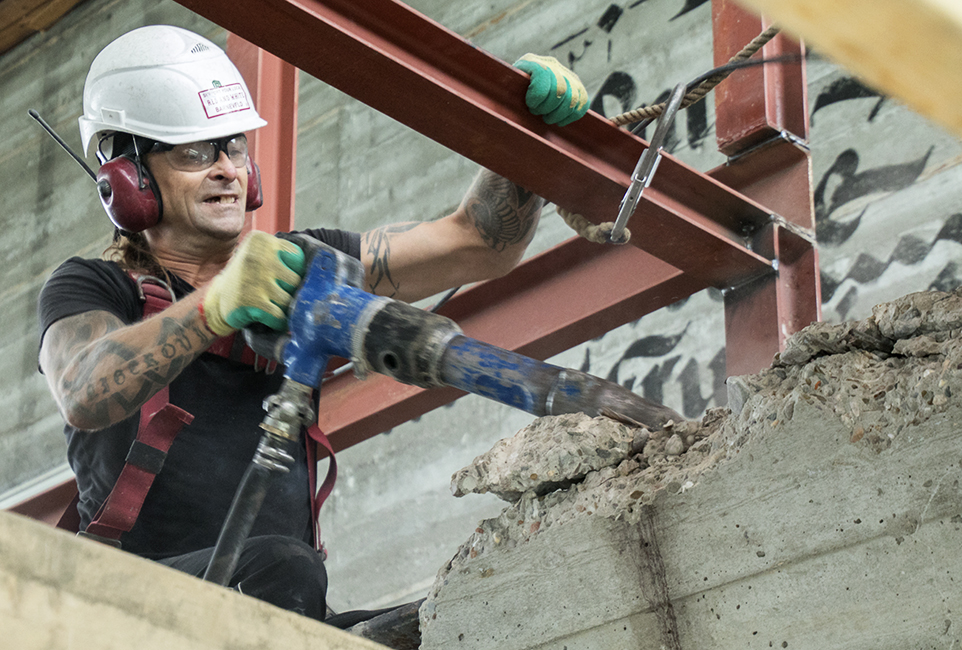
pixel 209 201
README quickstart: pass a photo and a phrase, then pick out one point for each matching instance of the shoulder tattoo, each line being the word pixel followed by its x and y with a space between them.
pixel 503 212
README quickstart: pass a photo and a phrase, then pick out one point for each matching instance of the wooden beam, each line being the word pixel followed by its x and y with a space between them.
pixel 908 49
pixel 20 19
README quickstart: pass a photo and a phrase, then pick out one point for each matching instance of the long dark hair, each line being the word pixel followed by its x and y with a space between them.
pixel 132 253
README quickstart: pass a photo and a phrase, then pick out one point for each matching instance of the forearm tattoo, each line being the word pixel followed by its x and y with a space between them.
pixel 378 243
pixel 504 213
pixel 102 380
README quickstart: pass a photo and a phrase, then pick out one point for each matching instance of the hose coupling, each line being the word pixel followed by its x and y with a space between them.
pixel 288 410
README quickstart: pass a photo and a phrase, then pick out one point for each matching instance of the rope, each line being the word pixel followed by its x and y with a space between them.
pixel 698 93
pixel 599 233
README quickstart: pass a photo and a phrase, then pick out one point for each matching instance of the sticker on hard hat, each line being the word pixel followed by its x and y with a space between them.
pixel 224 99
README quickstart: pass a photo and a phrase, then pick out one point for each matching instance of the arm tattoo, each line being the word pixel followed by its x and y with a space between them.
pixel 102 379
pixel 378 242
pixel 503 213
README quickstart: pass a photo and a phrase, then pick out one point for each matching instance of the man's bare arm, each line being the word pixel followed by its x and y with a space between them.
pixel 101 371
pixel 484 238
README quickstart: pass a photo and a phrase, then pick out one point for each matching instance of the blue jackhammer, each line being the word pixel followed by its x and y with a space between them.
pixel 333 316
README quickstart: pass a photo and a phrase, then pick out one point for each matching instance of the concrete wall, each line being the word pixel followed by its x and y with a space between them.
pixel 889 225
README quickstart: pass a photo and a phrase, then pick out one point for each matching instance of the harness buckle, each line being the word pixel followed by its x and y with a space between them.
pixel 141 279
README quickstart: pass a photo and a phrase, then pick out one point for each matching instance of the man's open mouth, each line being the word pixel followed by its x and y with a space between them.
pixel 222 200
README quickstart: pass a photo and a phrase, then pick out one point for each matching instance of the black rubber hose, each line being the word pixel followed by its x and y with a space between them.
pixel 240 519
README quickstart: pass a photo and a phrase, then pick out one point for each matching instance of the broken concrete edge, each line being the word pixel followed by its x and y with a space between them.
pixel 60 589
pixel 549 454
pixel 925 317
pixel 620 491
pixel 878 376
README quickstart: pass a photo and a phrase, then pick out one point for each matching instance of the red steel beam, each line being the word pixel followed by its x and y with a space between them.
pixel 379 50
pixel 273 84
pixel 762 121
pixel 50 505
pixel 530 311
pixel 755 104
pixel 760 315
pixel 429 78
pixel 777 175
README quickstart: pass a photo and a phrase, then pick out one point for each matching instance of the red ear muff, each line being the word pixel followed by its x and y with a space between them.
pixel 255 193
pixel 129 207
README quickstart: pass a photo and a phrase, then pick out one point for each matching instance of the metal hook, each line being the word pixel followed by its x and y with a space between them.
pixel 645 169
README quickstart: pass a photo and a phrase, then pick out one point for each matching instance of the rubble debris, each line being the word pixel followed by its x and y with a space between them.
pixel 639 441
pixel 620 483
pixel 937 315
pixel 879 376
pixel 618 490
pixel 675 446
pixel 550 453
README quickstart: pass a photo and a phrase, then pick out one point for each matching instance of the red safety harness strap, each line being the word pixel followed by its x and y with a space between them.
pixel 318 496
pixel 160 422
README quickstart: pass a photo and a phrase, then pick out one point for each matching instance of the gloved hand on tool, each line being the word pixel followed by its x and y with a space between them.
pixel 256 286
pixel 555 92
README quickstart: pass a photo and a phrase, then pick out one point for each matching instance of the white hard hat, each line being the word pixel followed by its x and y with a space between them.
pixel 166 84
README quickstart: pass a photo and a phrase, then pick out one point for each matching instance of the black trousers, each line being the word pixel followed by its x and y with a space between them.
pixel 282 571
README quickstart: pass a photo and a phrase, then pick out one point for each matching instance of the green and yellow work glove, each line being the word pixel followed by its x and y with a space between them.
pixel 555 92
pixel 256 286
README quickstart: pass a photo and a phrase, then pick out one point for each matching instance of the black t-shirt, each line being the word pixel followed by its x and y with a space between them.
pixel 189 499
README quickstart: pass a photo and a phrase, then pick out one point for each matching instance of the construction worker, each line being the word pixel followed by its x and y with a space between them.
pixel 167 111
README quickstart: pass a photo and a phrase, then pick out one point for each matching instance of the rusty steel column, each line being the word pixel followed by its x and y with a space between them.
pixel 757 103
pixel 762 125
pixel 273 84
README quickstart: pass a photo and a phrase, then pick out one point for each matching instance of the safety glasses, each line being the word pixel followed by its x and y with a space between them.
pixel 198 156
